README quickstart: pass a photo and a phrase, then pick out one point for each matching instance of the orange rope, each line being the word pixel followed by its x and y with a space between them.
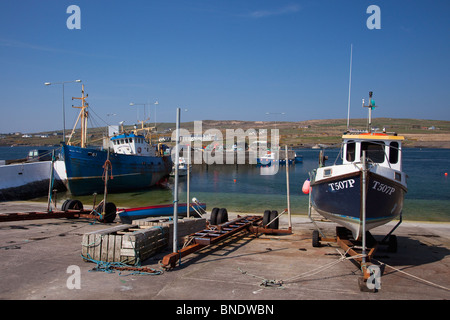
pixel 105 171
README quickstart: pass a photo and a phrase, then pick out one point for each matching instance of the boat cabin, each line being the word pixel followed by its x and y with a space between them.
pixel 381 148
pixel 130 143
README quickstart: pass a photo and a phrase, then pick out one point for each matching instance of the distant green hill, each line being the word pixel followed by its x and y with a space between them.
pixel 418 132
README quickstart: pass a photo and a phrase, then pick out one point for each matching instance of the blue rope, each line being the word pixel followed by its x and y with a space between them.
pixel 108 267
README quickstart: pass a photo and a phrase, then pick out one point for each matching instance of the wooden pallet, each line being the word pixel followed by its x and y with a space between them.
pixel 185 226
pixel 124 243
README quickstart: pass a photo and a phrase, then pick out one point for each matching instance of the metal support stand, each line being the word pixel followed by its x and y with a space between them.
pixel 175 192
pixel 363 209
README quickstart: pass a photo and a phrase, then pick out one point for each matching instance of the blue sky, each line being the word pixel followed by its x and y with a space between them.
pixel 223 60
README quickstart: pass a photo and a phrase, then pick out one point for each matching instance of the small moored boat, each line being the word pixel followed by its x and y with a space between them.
pixel 127 215
pixel 268 159
pixel 183 168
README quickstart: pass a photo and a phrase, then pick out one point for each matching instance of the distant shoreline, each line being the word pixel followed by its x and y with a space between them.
pixel 423 145
pixel 418 133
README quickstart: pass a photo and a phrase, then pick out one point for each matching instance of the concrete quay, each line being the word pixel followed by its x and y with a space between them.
pixel 38 259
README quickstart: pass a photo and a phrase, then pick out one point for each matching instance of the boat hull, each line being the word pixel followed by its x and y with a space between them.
pixel 24 181
pixel 128 215
pixel 85 170
pixel 340 199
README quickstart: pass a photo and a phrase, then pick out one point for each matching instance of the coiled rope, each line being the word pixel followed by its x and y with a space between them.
pixel 107 167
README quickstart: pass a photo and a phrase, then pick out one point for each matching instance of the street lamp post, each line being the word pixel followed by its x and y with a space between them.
pixel 144 104
pixel 156 103
pixel 137 111
pixel 63 105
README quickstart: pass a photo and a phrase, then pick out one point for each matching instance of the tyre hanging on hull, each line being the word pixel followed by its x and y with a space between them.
pixel 110 212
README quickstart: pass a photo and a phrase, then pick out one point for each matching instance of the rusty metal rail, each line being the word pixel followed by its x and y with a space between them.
pixel 34 215
pixel 216 234
pixel 208 237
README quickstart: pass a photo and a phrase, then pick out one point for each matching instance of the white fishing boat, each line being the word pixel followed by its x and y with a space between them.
pixel 183 168
pixel 367 189
pixel 29 178
pixel 269 158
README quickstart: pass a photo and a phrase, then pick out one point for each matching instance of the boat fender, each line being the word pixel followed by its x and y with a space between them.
pixel 306 186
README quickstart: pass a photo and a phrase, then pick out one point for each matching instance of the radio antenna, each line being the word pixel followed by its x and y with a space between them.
pixel 349 87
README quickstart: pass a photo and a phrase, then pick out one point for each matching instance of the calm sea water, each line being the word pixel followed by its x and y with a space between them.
pixel 244 189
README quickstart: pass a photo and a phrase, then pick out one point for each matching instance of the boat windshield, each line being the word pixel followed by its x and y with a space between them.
pixel 393 152
pixel 374 151
pixel 351 148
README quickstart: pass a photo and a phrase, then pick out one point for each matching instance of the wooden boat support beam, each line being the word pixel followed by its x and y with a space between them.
pixel 217 234
pixel 262 230
pixel 34 215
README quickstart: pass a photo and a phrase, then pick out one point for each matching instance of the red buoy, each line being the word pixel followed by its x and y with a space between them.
pixel 306 186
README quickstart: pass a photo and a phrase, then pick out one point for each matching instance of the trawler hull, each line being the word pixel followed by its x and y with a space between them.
pixel 86 173
pixel 339 198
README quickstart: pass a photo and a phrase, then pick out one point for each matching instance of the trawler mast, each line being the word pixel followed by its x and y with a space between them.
pixel 83 115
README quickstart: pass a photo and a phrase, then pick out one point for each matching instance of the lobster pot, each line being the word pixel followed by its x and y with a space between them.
pixel 126 244
pixel 185 227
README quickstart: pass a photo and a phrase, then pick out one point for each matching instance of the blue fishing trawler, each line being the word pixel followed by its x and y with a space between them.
pixel 129 162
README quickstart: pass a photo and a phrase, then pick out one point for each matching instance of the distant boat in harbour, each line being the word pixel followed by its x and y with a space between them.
pixel 133 163
pixel 273 157
pixel 268 159
pixel 183 168
pixel 298 158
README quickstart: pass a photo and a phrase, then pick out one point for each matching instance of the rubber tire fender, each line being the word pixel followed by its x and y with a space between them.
pixel 74 205
pixel 213 217
pixel 266 218
pixel 110 212
pixel 315 239
pixel 222 216
pixel 275 223
pixel 64 205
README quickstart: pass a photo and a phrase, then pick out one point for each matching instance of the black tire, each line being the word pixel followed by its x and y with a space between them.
pixel 222 216
pixel 213 217
pixel 392 244
pixel 110 212
pixel 275 223
pixel 74 205
pixel 266 218
pixel 315 239
pixel 64 205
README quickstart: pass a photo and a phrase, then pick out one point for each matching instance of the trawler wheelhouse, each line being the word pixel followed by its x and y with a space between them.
pixel 130 143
